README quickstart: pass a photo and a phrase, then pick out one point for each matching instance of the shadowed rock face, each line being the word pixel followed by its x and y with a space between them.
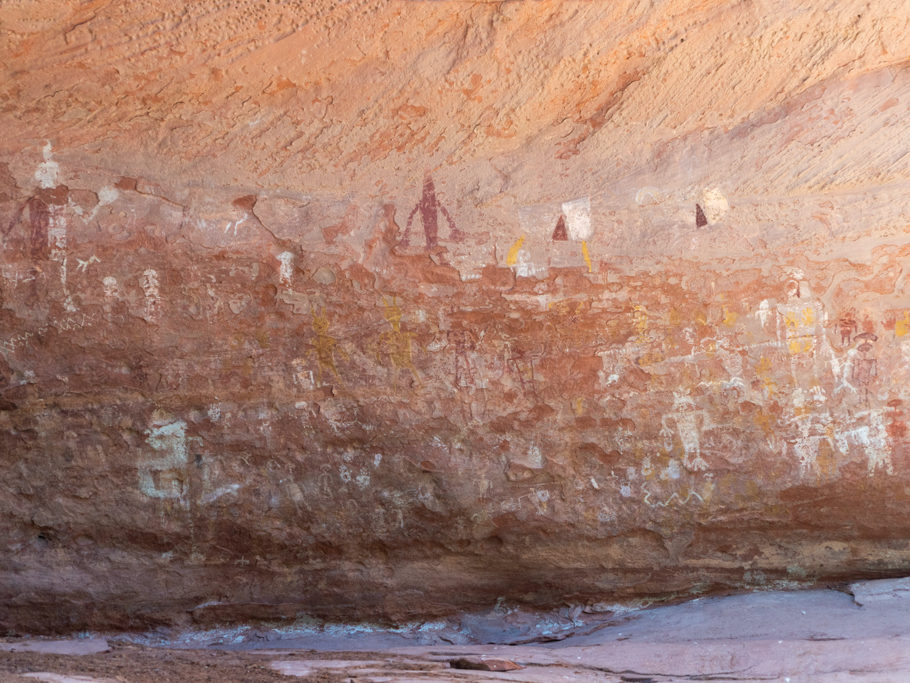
pixel 384 310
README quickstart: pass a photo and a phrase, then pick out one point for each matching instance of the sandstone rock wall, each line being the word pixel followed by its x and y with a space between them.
pixel 381 310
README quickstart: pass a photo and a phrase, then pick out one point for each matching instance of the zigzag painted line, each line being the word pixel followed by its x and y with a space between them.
pixel 670 499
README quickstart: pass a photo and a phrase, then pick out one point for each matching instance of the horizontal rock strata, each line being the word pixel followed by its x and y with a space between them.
pixel 383 310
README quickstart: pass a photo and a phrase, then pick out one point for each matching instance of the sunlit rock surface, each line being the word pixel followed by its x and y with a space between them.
pixel 388 309
pixel 813 635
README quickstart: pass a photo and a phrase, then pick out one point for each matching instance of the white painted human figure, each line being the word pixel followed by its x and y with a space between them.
pixel 844 373
pixel 149 283
pixel 814 428
pixel 111 288
pixel 164 476
pixel 872 438
pixel 286 269
pixel 799 318
pixel 47 175
pixel 764 312
pixel 857 371
pixel 732 362
pixel 689 423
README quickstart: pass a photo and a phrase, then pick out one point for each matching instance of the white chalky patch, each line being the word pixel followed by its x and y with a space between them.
pixel 647 195
pixel 715 204
pixel 578 219
pixel 284 273
pixel 48 171
pixel 111 289
pixel 162 477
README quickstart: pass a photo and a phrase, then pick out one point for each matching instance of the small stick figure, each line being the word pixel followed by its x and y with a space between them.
pixel 464 344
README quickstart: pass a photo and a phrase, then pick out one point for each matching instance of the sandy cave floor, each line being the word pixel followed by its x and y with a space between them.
pixel 816 635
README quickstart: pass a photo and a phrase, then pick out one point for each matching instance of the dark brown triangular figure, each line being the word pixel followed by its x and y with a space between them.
pixel 700 220
pixel 560 234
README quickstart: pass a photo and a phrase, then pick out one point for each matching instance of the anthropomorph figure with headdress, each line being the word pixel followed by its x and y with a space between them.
pixel 690 421
pixel 429 208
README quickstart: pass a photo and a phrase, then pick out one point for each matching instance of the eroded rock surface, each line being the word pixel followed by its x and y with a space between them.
pixel 381 310
pixel 813 635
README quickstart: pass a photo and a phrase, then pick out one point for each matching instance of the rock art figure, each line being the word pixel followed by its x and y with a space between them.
pixel 700 219
pixel 150 288
pixel 286 269
pixel 464 345
pixel 865 366
pixel 732 362
pixel 897 428
pixel 689 423
pixel 324 347
pixel 519 365
pixel 902 325
pixel 798 320
pixel 164 476
pixel 45 209
pixel 560 234
pixel 800 330
pixel 302 376
pixel 395 344
pixel 872 438
pixel 429 208
pixel 578 219
pixel 815 429
pixel 846 326
pixel 640 323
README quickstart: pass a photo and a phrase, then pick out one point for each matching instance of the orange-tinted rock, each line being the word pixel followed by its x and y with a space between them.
pixel 387 310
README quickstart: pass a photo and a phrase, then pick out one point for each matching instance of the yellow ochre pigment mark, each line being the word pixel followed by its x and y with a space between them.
pixel 324 346
pixel 639 321
pixel 801 345
pixel 587 255
pixel 512 256
pixel 766 422
pixel 790 320
pixel 763 370
pixel 396 343
pixel 729 317
pixel 902 326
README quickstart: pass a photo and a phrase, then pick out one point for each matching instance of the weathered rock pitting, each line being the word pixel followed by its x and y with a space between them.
pixel 282 336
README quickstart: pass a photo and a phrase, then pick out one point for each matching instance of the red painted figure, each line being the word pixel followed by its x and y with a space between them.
pixel 429 208
pixel 40 208
pixel 847 326
pixel 865 367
